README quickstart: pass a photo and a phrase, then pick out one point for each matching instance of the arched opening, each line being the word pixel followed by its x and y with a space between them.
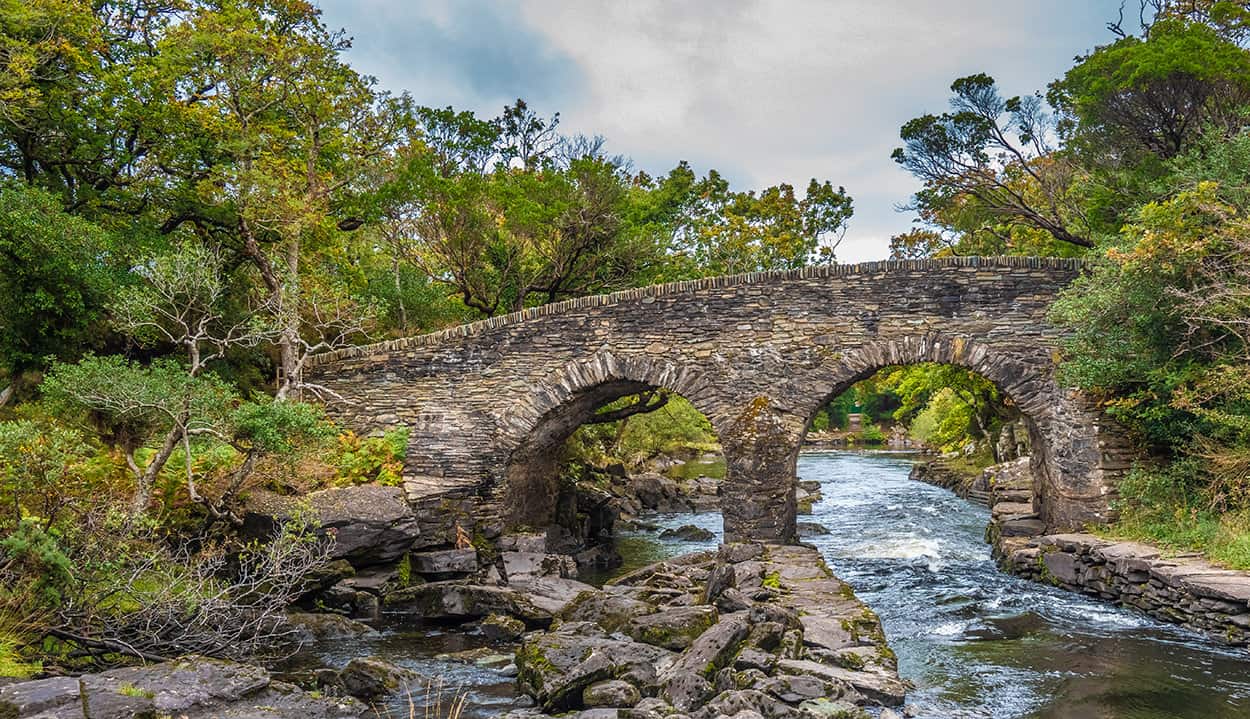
pixel 962 422
pixel 615 449
pixel 1071 462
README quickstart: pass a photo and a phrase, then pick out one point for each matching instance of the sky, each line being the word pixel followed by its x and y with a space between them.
pixel 765 91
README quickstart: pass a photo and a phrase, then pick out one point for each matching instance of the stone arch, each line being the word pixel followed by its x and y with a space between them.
pixel 538 423
pixel 1072 481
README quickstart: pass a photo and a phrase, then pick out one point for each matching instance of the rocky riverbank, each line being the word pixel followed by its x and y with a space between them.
pixel 747 631
pixel 189 688
pixel 1178 588
pixel 1182 589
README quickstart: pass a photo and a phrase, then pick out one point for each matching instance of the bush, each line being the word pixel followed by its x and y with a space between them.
pixel 361 460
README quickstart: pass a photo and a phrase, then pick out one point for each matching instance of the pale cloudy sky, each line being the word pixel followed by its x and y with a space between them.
pixel 765 91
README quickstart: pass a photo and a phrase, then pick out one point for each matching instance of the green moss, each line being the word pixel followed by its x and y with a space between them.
pixel 130 690
pixel 772 580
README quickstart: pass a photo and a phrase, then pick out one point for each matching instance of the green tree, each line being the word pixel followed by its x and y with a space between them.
pixel 990 163
pixel 58 273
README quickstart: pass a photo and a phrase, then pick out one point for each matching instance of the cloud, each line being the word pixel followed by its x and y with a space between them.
pixel 474 54
pixel 764 90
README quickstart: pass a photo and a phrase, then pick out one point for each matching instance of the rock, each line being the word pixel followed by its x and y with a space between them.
pixel 877 686
pixel 826 709
pixel 797 689
pixel 1062 566
pixel 688 533
pixel 673 629
pixel 712 650
pixel 191 687
pixel 687 691
pixel 722 577
pixel 316 627
pixel 610 611
pixel 553 594
pixel 749 701
pixel 502 628
pixel 464 601
pixel 523 566
pixel 371 524
pixel 24 699
pixel 611 693
pixel 444 564
pixel 811 529
pixel 731 600
pixel 556 667
pixel 371 678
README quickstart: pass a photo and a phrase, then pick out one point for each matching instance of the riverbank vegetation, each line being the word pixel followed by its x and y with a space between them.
pixel 196 197
pixel 1136 159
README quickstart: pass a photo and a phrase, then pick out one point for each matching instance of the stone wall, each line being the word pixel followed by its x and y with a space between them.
pixel 1182 589
pixel 488 404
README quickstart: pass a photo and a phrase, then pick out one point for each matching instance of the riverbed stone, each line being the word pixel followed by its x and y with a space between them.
pixel 371 678
pixel 370 524
pixel 611 693
pixel 673 629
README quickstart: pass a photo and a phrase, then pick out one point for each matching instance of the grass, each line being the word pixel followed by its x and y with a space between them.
pixel 1171 505
pixel 1223 539
pixel 13 665
pixel 433 707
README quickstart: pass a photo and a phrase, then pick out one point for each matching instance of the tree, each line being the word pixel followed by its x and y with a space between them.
pixel 58 271
pixel 710 229
pixel 1140 98
pixel 995 153
pixel 276 142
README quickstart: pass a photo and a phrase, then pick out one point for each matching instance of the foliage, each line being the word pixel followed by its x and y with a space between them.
pixel 361 460
pixel 674 429
pixel 1155 96
pixel 58 271
pixel 988 167
pixel 42 471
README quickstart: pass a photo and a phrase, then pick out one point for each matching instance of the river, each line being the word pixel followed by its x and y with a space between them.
pixel 975 642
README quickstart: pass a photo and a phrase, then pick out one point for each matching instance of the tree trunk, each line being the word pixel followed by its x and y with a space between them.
pixel 147 480
pixel 6 394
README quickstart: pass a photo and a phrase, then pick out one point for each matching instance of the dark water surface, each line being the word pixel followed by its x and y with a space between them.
pixel 975 642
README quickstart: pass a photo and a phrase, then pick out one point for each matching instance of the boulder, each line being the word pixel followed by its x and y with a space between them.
pixel 444 564
pixel 316 627
pixel 688 533
pixel 371 678
pixel 811 529
pixel 610 693
pixel 880 687
pixel 557 667
pixel 673 629
pixel 502 628
pixel 524 566
pixel 371 524
pixel 464 601
pixel 610 611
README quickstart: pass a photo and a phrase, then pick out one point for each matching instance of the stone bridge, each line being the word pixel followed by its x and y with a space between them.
pixel 489 404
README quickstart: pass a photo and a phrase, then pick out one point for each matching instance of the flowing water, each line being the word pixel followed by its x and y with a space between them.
pixel 975 642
